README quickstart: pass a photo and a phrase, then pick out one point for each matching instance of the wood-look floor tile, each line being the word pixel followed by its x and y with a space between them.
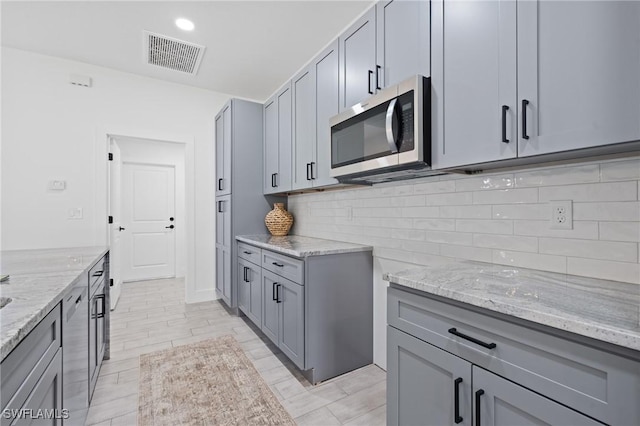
pixel 320 417
pixel 359 403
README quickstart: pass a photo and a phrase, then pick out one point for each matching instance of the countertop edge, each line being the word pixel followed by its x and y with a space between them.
pixel 31 323
pixel 305 253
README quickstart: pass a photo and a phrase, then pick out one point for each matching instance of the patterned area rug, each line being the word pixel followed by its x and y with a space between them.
pixel 206 383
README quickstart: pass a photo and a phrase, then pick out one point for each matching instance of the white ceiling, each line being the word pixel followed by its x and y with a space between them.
pixel 252 47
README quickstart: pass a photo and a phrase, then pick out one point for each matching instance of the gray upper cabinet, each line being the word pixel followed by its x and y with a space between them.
pixel 499 402
pixel 474 68
pixel 304 128
pixel 358 61
pixel 327 105
pixel 223 151
pixel 578 74
pixel 277 142
pixel 403 40
pixel 434 384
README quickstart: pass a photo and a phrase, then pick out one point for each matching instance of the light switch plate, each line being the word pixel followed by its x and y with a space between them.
pixel 57 185
pixel 75 213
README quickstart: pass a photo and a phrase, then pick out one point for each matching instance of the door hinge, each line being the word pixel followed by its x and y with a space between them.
pixel 110 282
pixel 110 156
pixel 110 219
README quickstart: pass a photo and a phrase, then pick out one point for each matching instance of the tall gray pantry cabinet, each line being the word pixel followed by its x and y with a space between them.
pixel 240 205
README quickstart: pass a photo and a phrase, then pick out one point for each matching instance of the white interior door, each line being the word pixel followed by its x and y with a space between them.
pixel 148 216
pixel 115 228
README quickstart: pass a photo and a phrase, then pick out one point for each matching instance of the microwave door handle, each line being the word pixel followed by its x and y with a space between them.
pixel 391 124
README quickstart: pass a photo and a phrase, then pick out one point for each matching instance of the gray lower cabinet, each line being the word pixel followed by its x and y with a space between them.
pixel 32 374
pixel 511 372
pixel 250 290
pixel 270 313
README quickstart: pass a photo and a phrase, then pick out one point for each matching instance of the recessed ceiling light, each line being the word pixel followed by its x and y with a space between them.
pixel 185 24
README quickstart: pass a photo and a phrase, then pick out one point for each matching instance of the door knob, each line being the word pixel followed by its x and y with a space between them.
pixel 170 227
pixel 120 228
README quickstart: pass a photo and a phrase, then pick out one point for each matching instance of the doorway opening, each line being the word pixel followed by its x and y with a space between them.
pixel 147 209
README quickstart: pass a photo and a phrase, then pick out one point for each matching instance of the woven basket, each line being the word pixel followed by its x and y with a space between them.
pixel 278 220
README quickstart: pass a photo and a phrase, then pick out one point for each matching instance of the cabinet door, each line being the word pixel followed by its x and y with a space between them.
pixel 223 221
pixel 283 179
pixel 498 401
pixel 219 268
pixel 290 297
pixel 423 381
pixel 226 288
pixel 254 305
pixel 47 395
pixel 270 145
pixel 403 42
pixel 358 61
pixel 270 322
pixel 474 68
pixel 579 71
pixel 304 128
pixel 223 151
pixel 243 287
pixel 327 105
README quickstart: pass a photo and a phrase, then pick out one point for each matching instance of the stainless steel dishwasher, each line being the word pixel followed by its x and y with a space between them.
pixel 75 353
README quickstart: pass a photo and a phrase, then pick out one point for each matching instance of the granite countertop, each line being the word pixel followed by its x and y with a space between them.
pixel 604 310
pixel 38 280
pixel 297 246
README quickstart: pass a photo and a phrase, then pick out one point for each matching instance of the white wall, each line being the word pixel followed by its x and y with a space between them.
pixel 166 154
pixel 54 130
pixel 500 217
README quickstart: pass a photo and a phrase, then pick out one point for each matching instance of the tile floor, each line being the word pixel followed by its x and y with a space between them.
pixel 152 315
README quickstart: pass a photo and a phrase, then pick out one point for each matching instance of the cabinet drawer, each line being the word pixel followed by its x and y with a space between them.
pixel 284 266
pixel 24 366
pixel 592 381
pixel 250 253
pixel 97 271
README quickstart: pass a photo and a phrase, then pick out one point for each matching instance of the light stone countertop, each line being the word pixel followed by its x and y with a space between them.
pixel 298 246
pixel 39 279
pixel 604 310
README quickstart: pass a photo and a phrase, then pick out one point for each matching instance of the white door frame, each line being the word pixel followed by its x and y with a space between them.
pixel 101 201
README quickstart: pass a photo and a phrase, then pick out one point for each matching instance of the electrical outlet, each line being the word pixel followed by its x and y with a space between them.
pixel 561 214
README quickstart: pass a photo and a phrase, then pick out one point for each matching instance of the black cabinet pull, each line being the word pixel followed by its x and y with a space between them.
pixel 456 400
pixel 246 252
pixel 244 274
pixel 220 184
pixel 505 108
pixel 479 393
pixel 274 182
pixel 277 264
pixel 169 227
pixel 308 172
pixel 378 69
pixel 524 119
pixel 313 175
pixel 273 291
pixel 98 273
pixel 278 293
pixel 369 83
pixel 472 339
pixel 220 206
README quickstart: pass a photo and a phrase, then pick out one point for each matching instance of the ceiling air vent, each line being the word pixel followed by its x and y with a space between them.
pixel 171 53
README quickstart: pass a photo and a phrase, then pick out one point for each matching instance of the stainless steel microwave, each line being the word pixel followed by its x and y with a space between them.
pixel 387 137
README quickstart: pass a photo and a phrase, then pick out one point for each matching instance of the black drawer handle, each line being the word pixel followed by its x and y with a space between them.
pixel 505 108
pixel 472 339
pixel 456 400
pixel 479 393
pixel 246 252
pixel 277 264
pixel 98 274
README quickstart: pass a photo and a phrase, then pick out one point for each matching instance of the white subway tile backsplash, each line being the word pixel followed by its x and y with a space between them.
pixel 612 191
pixel 608 270
pixel 464 252
pixel 541 228
pixel 506 242
pixel 435 224
pixel 499 217
pixel 531 260
pixel 558 176
pixel 521 211
pixel 624 211
pixel 466 212
pixel 620 231
pixel 485 226
pixel 607 250
pixel 506 196
pixel 434 187
pixel 623 170
pixel 485 182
